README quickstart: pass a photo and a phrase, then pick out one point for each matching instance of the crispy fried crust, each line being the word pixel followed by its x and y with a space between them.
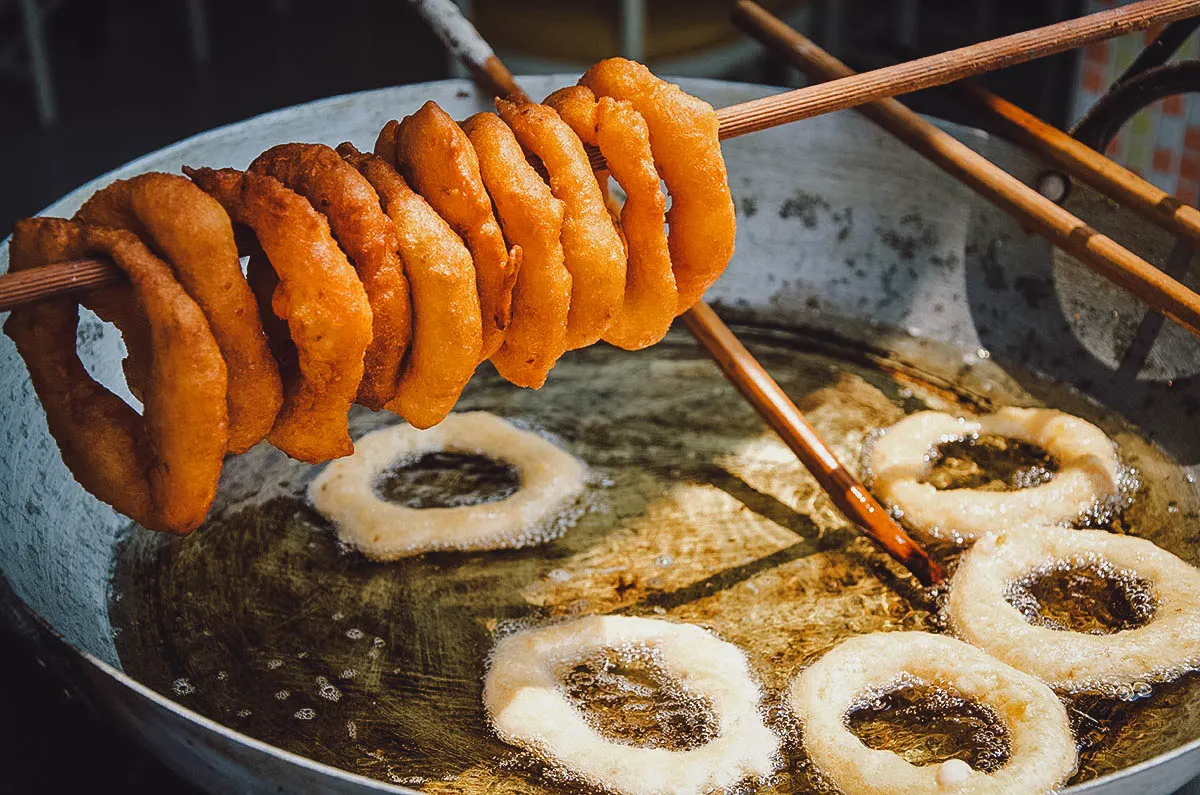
pixel 189 230
pixel 532 220
pixel 430 150
pixel 368 238
pixel 161 468
pixel 683 136
pixel 621 134
pixel 592 248
pixel 322 300
pixel 447 330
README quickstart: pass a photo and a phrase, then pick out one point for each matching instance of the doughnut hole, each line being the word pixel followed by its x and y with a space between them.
pixel 989 463
pixel 448 479
pixel 625 695
pixel 926 725
pixel 1095 598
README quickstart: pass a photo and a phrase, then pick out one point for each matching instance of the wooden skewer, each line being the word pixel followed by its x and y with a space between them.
pixel 853 89
pixel 60 278
pixel 848 91
pixel 1033 210
pixel 1080 160
pixel 749 377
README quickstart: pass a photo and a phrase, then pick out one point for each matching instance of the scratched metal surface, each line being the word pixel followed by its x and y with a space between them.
pixel 840 229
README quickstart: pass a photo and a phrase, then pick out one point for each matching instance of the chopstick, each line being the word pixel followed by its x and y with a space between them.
pixel 746 374
pixel 1102 254
pixel 773 404
pixel 848 91
pixel 1080 160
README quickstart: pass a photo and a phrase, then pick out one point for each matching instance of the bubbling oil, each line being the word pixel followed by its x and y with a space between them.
pixel 694 512
pixel 626 695
pixel 448 479
pixel 927 724
pixel 1096 598
pixel 989 463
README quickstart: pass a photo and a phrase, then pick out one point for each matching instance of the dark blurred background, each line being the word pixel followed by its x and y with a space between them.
pixel 115 80
pixel 119 79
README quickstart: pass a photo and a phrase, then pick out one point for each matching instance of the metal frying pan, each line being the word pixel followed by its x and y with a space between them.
pixel 868 281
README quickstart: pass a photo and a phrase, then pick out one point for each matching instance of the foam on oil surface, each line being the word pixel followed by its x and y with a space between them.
pixel 1096 598
pixel 627 696
pixel 695 512
pixel 926 724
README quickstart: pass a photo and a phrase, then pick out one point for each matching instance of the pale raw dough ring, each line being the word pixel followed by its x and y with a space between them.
pixel 1042 748
pixel 527 706
pixel 1159 650
pixel 1088 476
pixel 345 493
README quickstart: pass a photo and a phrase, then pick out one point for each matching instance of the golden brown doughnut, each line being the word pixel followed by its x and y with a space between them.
pixel 532 220
pixel 368 237
pixel 430 150
pixel 623 138
pixel 190 231
pixel 320 297
pixel 683 136
pixel 160 468
pixel 447 329
pixel 592 248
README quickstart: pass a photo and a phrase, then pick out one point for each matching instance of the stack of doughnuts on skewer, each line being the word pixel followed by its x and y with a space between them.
pixel 383 279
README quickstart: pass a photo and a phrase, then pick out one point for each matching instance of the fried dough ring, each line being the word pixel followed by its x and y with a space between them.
pixel 160 468
pixel 190 231
pixel 1043 753
pixel 527 706
pixel 447 327
pixel 533 220
pixel 345 492
pixel 592 250
pixel 1159 650
pixel 430 150
pixel 1089 473
pixel 322 300
pixel 368 237
pixel 623 138
pixel 683 135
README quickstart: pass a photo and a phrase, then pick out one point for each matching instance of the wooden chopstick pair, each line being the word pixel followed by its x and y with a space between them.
pixel 1080 160
pixel 1036 212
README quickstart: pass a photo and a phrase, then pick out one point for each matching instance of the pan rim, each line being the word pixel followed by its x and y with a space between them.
pixel 258 745
pixel 76 195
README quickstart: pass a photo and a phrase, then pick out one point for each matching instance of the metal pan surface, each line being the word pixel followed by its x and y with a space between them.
pixel 870 283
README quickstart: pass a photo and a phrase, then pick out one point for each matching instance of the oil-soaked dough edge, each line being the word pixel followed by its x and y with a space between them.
pixel 344 492
pixel 1041 743
pixel 1089 472
pixel 528 707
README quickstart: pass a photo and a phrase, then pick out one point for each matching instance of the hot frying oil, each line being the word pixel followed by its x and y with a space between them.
pixel 927 725
pixel 694 512
pixel 628 697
